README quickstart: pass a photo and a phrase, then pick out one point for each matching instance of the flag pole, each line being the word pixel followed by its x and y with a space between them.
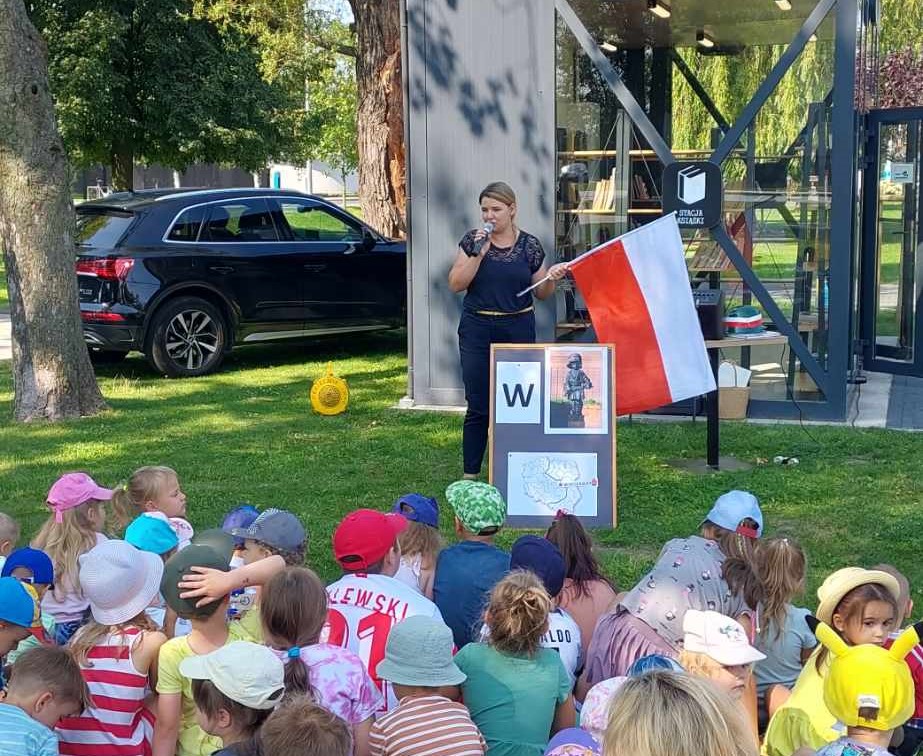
pixel 590 252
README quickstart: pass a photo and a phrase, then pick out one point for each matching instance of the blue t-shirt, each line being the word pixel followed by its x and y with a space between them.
pixel 782 664
pixel 465 575
pixel 20 735
pixel 503 273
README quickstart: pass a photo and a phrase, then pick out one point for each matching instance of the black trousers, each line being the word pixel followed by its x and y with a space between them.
pixel 475 335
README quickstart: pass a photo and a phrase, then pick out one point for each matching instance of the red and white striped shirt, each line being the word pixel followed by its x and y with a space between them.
pixel 426 726
pixel 118 724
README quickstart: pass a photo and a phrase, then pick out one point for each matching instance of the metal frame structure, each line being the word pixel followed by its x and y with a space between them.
pixel 831 381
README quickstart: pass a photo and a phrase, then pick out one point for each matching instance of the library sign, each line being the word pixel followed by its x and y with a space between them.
pixel 693 191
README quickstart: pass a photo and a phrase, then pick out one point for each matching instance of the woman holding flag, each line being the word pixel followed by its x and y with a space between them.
pixel 493 266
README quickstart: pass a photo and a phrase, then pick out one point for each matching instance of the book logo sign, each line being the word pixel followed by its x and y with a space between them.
pixel 694 192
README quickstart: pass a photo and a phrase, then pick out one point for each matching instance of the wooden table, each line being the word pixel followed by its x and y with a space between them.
pixel 714 346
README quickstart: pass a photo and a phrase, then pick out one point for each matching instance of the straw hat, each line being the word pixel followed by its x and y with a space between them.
pixel 841 582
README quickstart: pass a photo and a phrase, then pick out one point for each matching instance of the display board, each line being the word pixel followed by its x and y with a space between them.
pixel 552 432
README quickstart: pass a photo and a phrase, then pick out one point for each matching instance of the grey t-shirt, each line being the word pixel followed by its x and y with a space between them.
pixel 687 575
pixel 782 664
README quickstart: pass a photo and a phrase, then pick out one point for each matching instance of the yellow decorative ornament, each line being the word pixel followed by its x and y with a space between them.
pixel 329 394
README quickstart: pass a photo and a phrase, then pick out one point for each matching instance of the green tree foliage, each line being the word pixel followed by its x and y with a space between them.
pixel 332 120
pixel 901 25
pixel 154 81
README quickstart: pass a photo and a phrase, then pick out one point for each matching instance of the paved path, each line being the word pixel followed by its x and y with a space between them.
pixel 6 350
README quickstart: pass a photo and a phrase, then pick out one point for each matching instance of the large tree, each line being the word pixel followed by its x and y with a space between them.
pixel 153 81
pixel 52 375
pixel 382 191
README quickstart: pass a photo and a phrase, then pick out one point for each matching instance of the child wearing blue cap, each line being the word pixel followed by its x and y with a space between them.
pixel 18 613
pixel 420 543
pixel 712 571
pixel 32 567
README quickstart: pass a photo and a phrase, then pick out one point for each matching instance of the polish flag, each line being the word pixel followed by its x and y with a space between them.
pixel 637 290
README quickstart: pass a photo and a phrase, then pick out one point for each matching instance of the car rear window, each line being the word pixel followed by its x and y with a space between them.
pixel 102 229
pixel 186 227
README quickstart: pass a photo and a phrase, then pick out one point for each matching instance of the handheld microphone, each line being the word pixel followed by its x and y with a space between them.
pixel 476 249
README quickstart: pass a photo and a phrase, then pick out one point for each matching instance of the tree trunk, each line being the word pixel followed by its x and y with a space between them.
pixel 123 167
pixel 52 375
pixel 380 114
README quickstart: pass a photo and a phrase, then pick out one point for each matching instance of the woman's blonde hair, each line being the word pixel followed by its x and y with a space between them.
pixel 500 191
pixel 65 541
pixel 93 633
pixel 518 614
pixel 421 539
pixel 675 714
pixel 145 484
pixel 780 565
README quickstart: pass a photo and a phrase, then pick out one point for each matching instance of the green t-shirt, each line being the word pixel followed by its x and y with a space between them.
pixel 513 699
pixel 192 739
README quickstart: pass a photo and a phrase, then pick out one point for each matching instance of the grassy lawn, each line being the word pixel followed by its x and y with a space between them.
pixel 248 434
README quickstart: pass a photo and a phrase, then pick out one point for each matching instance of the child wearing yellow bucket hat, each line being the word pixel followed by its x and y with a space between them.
pixel 868 689
pixel 860 607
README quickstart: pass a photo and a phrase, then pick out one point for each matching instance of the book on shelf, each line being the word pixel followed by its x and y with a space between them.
pixel 599 197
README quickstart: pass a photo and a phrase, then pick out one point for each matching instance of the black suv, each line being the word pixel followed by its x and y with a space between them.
pixel 182 276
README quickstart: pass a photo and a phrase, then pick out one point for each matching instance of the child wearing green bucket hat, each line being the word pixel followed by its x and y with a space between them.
pixel 467 571
pixel 418 663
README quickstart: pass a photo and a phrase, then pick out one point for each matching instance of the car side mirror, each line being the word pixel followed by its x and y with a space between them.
pixel 368 240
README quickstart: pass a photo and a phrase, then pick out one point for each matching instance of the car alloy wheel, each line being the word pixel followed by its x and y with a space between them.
pixel 192 336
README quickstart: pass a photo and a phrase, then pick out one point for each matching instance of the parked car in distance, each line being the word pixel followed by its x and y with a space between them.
pixel 184 275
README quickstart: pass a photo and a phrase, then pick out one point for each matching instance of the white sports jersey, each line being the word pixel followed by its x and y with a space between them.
pixel 362 610
pixel 563 636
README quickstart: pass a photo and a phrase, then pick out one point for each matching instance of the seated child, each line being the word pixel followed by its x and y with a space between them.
pixel 294 612
pixel 19 614
pixel 420 542
pixel 32 567
pixel 531 552
pixel 467 571
pixel 235 689
pixel 418 664
pixel 302 728
pixel 868 689
pixel 117 651
pixel 783 637
pixel 177 729
pixel 716 647
pixel 45 685
pixel 156 536
pixel 674 714
pixel 518 693
pixel 153 491
pixel 78 516
pixel 586 594
pixel 273 532
pixel 9 536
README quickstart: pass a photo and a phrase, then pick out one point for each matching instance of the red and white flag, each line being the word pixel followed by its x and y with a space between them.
pixel 637 290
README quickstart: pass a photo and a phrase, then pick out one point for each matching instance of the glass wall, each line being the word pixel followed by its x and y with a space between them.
pixel 694 72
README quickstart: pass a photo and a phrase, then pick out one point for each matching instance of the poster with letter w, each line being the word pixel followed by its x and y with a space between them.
pixel 637 291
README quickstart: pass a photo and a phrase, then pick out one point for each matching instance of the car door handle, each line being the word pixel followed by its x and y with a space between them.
pixel 315 267
pixel 221 268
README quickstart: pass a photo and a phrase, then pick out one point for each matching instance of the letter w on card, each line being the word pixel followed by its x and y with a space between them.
pixel 518 392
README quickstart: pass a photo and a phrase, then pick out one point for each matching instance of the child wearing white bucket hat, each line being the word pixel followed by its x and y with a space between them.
pixel 116 650
pixel 418 663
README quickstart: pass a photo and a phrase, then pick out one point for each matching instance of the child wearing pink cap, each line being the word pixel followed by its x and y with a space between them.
pixel 78 514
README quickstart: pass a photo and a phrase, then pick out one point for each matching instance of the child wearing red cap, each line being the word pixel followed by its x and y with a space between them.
pixel 78 515
pixel 368 600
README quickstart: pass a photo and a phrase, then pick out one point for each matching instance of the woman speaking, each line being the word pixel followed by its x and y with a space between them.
pixel 492 266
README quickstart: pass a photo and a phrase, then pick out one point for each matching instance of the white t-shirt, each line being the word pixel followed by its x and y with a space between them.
pixel 563 636
pixel 362 611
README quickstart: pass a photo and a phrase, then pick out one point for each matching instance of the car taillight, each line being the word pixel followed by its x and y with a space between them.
pixel 110 268
pixel 101 316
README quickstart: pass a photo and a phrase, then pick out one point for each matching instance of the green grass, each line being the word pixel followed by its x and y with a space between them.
pixel 248 434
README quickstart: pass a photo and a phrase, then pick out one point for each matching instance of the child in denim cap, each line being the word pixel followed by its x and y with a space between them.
pixel 418 663
pixel 420 542
pixel 467 571
pixel 32 567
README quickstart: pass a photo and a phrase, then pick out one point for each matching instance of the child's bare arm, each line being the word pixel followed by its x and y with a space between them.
pixel 564 716
pixel 166 728
pixel 210 585
pixel 361 737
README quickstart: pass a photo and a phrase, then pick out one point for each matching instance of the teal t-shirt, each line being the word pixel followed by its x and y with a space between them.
pixel 513 699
